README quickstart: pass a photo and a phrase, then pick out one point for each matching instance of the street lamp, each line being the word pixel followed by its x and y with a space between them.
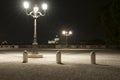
pixel 66 34
pixel 35 13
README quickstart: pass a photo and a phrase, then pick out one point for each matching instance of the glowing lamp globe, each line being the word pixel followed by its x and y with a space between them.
pixel 44 6
pixel 26 5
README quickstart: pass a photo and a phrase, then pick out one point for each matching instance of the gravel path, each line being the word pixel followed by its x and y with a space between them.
pixel 74 67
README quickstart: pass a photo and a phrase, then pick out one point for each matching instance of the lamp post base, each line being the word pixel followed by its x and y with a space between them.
pixel 35 51
pixel 35 56
pixel 35 48
pixel 35 43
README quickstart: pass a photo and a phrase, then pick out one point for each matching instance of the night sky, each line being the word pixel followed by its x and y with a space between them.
pixel 80 16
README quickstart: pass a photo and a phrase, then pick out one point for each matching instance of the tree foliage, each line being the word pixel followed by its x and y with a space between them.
pixel 109 20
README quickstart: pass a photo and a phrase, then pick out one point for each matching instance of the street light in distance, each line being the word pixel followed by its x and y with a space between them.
pixel 66 34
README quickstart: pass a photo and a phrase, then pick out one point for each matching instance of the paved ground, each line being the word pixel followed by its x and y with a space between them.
pixel 76 66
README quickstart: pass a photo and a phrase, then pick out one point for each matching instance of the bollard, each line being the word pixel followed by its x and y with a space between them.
pixel 93 57
pixel 58 57
pixel 25 56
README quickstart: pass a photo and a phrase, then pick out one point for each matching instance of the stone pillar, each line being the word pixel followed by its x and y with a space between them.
pixel 25 56
pixel 58 57
pixel 93 57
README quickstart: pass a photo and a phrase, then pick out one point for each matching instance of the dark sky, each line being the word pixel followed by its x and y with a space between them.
pixel 77 15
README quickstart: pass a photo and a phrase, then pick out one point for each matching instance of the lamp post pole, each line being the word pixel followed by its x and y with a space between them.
pixel 35 33
pixel 35 44
pixel 66 38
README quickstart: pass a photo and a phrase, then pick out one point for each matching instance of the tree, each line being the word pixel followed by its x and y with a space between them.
pixel 109 20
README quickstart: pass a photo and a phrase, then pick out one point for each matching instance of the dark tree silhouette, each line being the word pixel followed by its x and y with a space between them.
pixel 109 20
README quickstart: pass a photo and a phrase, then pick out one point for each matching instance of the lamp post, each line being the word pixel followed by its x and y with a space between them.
pixel 35 13
pixel 66 34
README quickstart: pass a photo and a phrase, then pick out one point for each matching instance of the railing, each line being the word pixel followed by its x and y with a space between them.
pixel 63 46
pixel 9 46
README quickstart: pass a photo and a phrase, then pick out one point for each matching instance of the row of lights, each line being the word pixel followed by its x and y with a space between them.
pixel 35 8
pixel 66 33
